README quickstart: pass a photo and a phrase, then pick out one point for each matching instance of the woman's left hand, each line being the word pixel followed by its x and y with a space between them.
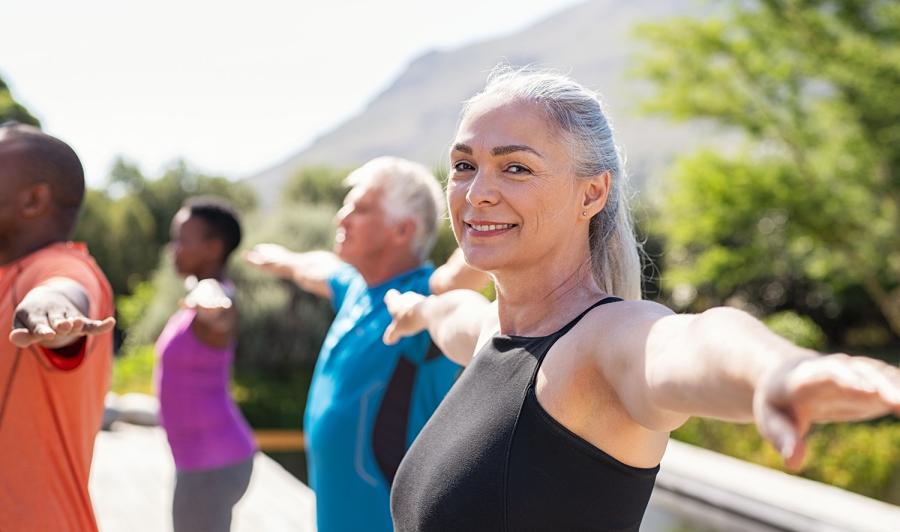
pixel 800 392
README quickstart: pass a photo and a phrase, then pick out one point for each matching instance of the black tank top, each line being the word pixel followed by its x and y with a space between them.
pixel 491 458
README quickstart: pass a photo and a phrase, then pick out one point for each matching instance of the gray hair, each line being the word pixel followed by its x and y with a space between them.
pixel 615 259
pixel 409 190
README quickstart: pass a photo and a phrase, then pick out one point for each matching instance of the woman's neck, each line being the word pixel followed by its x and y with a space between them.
pixel 211 272
pixel 540 300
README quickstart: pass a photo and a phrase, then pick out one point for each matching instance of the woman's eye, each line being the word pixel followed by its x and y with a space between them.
pixel 517 169
pixel 463 166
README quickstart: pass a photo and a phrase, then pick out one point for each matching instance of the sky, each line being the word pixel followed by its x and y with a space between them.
pixel 231 87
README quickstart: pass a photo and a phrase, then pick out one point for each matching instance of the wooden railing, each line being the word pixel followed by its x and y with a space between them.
pixel 280 440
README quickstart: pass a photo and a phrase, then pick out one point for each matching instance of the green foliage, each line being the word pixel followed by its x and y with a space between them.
pixel 861 458
pixel 272 399
pixel 806 214
pixel 127 225
pixel 144 313
pixel 133 371
pixel 316 185
pixel 801 330
pixel 131 309
pixel 10 109
pixel 269 399
pixel 281 327
pixel 121 236
pixel 444 244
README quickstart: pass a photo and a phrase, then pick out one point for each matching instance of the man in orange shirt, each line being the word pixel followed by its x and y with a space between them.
pixel 55 308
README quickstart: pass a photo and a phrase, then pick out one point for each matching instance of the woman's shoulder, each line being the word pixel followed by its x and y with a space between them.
pixel 617 322
pixel 629 309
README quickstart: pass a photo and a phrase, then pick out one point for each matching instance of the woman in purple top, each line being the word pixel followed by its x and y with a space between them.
pixel 211 442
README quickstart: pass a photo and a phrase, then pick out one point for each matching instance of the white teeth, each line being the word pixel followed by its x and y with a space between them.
pixel 491 227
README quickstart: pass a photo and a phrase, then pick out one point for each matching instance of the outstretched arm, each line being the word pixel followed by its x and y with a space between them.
pixel 456 274
pixel 725 364
pixel 310 271
pixel 453 319
pixel 55 315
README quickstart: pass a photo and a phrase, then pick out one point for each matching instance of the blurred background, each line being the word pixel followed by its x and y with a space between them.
pixel 762 140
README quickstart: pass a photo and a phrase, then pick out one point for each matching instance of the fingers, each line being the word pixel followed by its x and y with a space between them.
pixel 391 298
pixel 30 328
pixel 270 258
pixel 22 337
pixel 60 324
pixel 842 388
pixel 263 254
pixel 95 327
pixel 253 257
pixel 403 310
pixel 884 379
pixel 784 433
pixel 61 329
pixel 390 336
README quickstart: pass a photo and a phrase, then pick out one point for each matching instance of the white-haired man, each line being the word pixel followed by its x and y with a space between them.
pixel 368 401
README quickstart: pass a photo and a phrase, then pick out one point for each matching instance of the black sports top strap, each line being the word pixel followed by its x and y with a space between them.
pixel 568 327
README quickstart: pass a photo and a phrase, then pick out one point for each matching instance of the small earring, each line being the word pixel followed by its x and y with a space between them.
pixel 584 213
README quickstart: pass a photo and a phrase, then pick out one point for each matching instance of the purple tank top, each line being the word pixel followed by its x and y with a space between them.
pixel 204 427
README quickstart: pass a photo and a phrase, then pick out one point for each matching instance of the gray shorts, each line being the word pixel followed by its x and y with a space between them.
pixel 204 499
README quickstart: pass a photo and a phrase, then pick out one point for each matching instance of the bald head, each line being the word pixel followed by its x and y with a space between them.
pixel 29 157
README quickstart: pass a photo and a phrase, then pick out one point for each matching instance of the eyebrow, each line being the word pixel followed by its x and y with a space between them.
pixel 463 148
pixel 506 150
pixel 499 150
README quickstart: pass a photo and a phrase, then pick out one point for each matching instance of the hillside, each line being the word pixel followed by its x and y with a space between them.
pixel 415 117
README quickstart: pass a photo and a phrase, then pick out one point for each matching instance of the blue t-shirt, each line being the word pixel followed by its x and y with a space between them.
pixel 367 402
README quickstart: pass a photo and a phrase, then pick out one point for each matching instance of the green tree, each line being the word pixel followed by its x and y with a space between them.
pixel 127 224
pixel 811 198
pixel 10 109
pixel 316 185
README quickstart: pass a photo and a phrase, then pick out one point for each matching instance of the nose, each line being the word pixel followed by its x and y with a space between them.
pixel 341 215
pixel 482 189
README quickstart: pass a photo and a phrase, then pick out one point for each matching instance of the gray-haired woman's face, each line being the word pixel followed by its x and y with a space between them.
pixel 512 192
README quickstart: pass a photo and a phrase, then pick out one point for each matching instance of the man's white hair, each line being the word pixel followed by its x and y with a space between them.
pixel 409 190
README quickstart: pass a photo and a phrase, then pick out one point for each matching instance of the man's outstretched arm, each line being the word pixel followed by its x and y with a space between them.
pixel 310 271
pixel 457 274
pixel 55 315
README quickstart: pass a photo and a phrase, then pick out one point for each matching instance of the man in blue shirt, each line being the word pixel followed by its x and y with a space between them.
pixel 368 401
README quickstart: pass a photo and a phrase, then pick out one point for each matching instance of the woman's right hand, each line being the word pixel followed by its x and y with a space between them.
pixel 822 389
pixel 405 309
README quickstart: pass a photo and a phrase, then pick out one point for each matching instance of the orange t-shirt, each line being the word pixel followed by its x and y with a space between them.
pixel 51 408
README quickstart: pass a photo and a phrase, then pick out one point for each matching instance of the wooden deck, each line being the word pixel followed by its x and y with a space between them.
pixel 132 478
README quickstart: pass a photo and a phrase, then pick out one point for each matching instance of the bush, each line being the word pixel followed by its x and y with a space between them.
pixel 863 458
pixel 268 399
pixel 801 330
pixel 133 371
pixel 272 399
pixel 279 324
pixel 316 185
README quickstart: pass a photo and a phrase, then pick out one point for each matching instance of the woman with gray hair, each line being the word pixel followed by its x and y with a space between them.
pixel 573 383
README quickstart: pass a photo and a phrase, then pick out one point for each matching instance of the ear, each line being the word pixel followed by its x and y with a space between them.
pixel 35 200
pixel 595 193
pixel 405 230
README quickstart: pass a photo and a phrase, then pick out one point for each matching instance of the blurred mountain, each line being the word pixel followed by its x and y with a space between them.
pixel 416 116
